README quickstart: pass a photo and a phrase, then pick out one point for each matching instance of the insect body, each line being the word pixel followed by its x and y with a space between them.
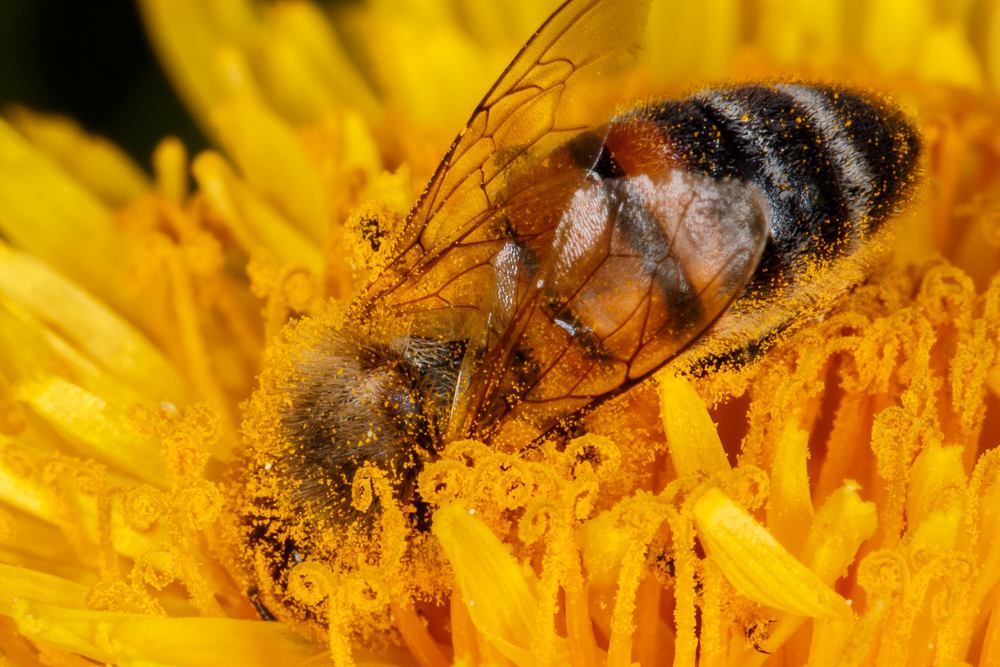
pixel 558 258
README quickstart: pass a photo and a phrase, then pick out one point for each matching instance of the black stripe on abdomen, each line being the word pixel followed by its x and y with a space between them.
pixel 695 137
pixel 781 151
pixel 886 141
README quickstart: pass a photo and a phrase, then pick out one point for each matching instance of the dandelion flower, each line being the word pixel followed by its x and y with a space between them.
pixel 834 503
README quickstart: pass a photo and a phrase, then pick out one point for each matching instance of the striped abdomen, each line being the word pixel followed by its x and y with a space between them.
pixel 832 162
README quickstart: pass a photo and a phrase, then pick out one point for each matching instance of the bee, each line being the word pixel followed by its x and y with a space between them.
pixel 560 255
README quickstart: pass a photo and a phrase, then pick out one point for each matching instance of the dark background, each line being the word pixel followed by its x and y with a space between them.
pixel 90 59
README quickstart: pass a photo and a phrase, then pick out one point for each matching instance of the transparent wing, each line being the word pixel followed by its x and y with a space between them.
pixel 526 148
pixel 639 266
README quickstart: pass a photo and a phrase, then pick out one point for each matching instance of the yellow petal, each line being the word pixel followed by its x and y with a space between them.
pixel 493 588
pixel 94 162
pixel 895 31
pixel 20 485
pixel 304 70
pixel 947 56
pixel 290 83
pixel 19 583
pixel 937 481
pixel 988 492
pixel 22 488
pixel 841 525
pixel 40 545
pixel 703 39
pixel 359 146
pixel 170 164
pixel 429 66
pixel 987 547
pixel 993 48
pixel 503 25
pixel 993 377
pixel 48 214
pixel 121 638
pixel 691 435
pixel 797 31
pixel 757 565
pixel 938 531
pixel 29 348
pixel 273 161
pixel 108 340
pixel 286 51
pixel 487 22
pixel 96 428
pixel 603 544
pixel 789 507
pixel 256 226
pixel 188 35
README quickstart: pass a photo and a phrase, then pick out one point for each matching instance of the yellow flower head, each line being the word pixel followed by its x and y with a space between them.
pixel 175 491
